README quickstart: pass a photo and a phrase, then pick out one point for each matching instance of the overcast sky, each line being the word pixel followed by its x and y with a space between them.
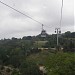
pixel 14 24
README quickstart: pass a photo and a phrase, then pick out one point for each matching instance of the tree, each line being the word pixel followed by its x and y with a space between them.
pixel 29 68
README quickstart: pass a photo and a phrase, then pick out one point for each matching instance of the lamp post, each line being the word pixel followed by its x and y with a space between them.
pixel 58 31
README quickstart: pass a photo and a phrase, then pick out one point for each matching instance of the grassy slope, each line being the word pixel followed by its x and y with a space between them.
pixel 40 43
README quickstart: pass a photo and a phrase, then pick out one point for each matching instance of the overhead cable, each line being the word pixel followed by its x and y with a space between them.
pixel 20 12
pixel 23 14
pixel 61 13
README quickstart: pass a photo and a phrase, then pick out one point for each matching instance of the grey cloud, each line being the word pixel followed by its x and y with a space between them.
pixel 47 12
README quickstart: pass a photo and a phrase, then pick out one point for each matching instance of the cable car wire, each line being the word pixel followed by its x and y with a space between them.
pixel 61 13
pixel 20 12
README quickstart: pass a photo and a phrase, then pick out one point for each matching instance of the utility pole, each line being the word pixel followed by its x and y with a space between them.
pixel 58 31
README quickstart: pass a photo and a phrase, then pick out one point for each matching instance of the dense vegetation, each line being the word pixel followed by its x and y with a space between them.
pixel 56 64
pixel 21 56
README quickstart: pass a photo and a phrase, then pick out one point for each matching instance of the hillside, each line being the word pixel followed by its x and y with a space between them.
pixel 22 56
pixel 55 64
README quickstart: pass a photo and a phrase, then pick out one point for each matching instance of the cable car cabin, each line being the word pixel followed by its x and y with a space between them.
pixel 43 33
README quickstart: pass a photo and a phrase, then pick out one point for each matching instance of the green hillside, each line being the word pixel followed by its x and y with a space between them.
pixel 56 64
pixel 24 56
pixel 40 44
